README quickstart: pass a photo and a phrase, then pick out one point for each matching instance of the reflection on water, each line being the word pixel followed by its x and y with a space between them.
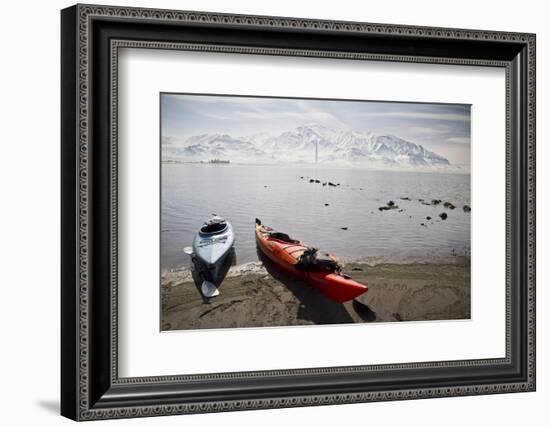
pixel 284 201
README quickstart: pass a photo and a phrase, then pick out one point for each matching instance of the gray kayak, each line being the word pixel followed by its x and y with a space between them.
pixel 211 246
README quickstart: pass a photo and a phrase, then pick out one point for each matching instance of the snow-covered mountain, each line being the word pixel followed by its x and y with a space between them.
pixel 335 147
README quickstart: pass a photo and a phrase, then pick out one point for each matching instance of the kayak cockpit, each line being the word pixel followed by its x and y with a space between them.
pixel 215 225
pixel 281 236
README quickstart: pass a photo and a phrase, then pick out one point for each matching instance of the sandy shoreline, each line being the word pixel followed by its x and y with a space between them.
pixel 406 289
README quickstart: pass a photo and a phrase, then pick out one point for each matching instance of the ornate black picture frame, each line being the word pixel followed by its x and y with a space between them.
pixel 91 36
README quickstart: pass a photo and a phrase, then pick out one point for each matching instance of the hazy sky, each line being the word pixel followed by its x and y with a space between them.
pixel 442 128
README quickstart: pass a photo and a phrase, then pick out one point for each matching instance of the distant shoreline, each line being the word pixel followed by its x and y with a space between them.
pixel 325 166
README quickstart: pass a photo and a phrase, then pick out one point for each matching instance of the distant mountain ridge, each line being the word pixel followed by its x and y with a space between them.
pixel 335 147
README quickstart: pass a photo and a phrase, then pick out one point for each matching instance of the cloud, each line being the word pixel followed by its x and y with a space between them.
pixel 459 140
pixel 418 115
pixel 429 130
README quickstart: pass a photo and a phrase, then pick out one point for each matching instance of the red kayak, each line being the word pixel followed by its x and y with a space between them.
pixel 303 262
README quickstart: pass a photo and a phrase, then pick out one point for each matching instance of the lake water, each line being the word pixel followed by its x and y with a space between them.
pixel 284 201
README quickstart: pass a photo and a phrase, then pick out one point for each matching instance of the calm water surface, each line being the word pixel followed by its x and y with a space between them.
pixel 284 201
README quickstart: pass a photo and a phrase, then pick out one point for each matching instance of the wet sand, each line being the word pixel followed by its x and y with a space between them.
pixel 257 295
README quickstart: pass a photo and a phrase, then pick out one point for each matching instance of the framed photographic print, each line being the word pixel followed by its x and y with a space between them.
pixel 263 212
pixel 309 167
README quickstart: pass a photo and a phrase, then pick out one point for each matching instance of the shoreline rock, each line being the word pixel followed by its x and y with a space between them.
pixel 449 205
